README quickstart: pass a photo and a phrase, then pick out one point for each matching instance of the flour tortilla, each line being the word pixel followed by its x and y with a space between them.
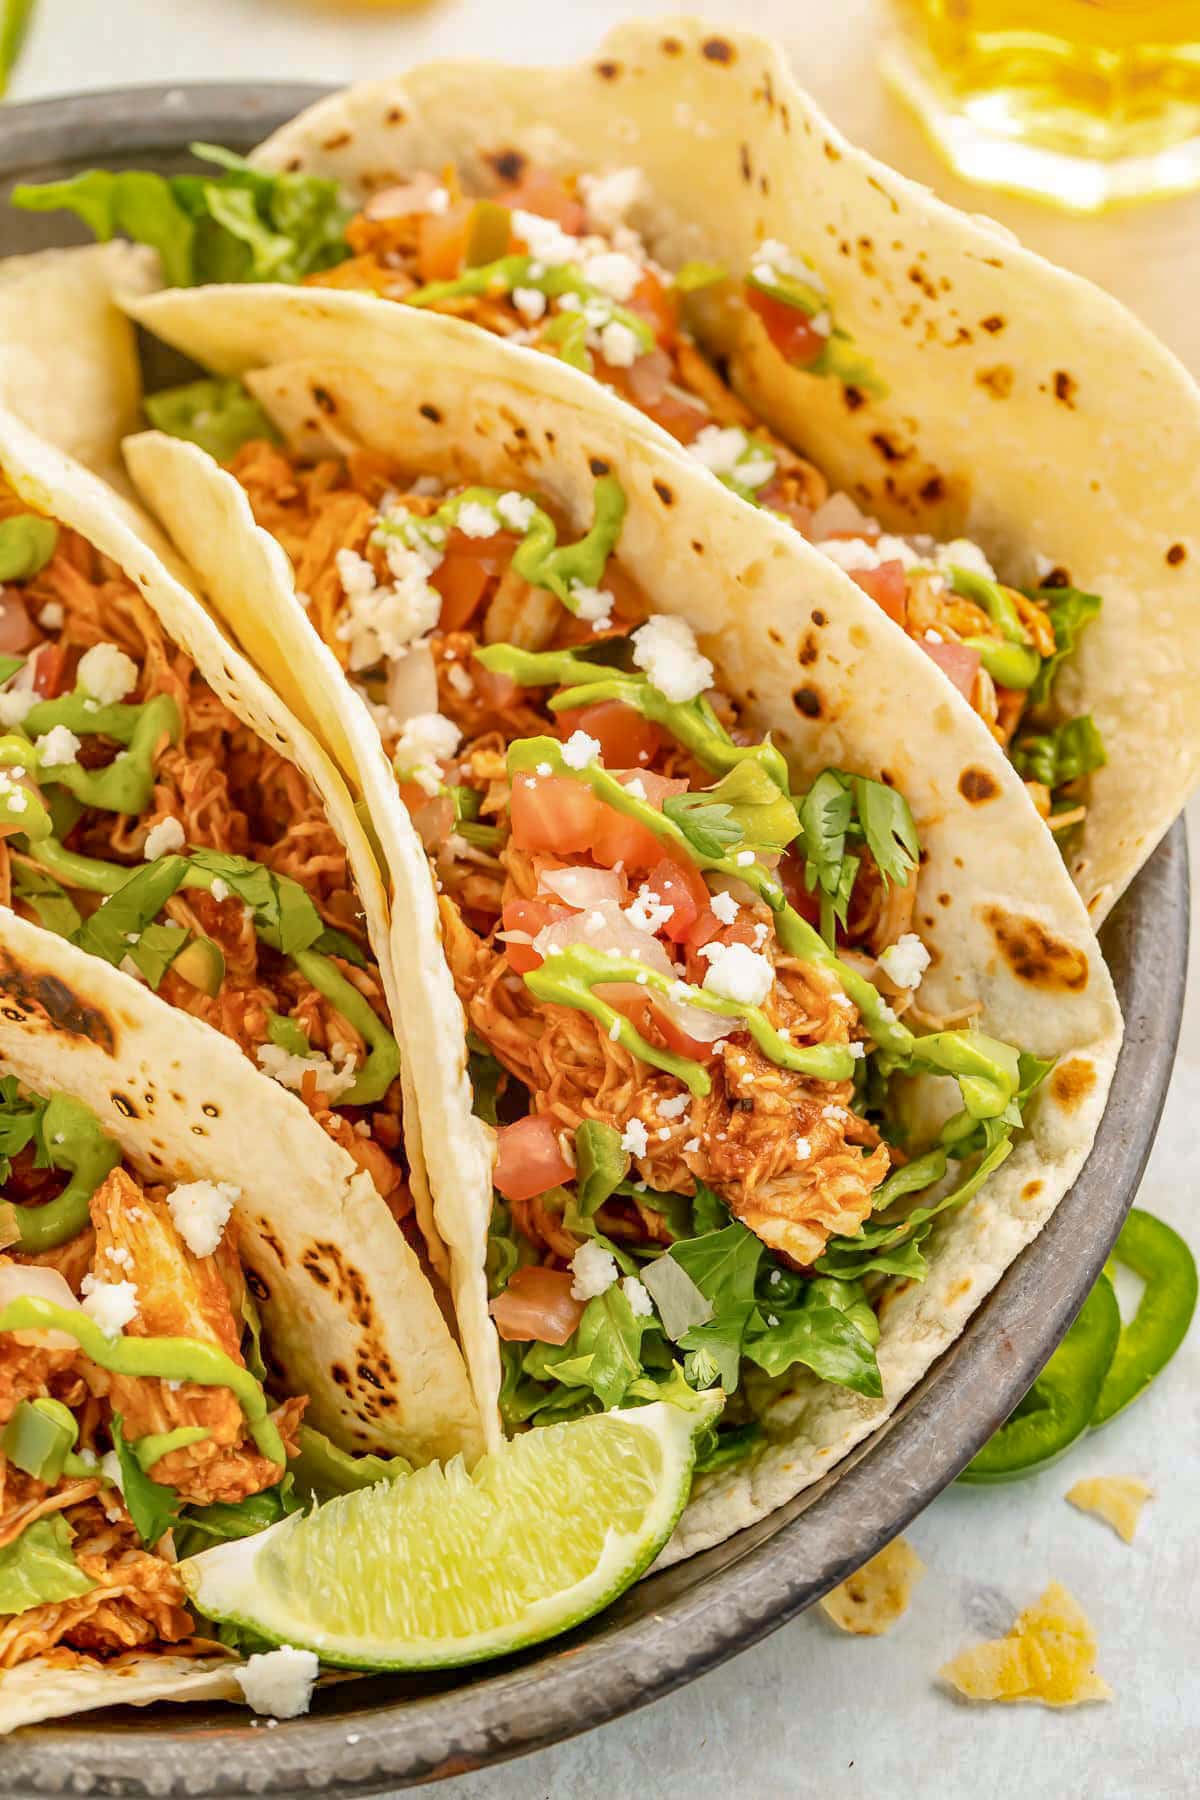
pixel 807 656
pixel 1025 409
pixel 43 1689
pixel 351 1317
pixel 87 394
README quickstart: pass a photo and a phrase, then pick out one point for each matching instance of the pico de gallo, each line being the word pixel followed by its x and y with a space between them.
pixel 558 263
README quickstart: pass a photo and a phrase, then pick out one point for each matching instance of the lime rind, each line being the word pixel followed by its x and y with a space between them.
pixel 443 1567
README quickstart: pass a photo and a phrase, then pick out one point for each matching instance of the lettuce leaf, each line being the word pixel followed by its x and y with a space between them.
pixel 38 1568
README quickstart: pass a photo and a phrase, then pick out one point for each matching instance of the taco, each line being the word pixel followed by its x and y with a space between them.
pixel 177 849
pixel 999 455
pixel 728 887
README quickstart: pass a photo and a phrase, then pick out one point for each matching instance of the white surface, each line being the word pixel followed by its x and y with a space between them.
pixel 810 1712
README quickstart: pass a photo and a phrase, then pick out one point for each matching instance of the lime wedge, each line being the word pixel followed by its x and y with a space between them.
pixel 442 1567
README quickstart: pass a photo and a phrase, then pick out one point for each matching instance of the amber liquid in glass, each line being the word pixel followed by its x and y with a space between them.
pixel 1082 101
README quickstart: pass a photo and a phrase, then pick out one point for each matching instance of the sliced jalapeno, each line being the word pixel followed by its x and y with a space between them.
pixel 1146 1345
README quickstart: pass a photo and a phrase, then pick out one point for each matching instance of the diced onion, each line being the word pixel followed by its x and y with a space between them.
pixel 583 887
pixel 606 928
pixel 840 515
pixel 25 1281
pixel 657 787
pixel 412 684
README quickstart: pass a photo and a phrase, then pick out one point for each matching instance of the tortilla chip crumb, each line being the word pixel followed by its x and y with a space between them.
pixel 870 1601
pixel 1049 1655
pixel 1117 1499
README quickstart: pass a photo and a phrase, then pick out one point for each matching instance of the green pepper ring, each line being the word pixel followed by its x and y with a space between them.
pixel 1159 1255
pixel 1058 1407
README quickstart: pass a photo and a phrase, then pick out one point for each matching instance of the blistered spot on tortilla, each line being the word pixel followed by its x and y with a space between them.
pixel 697 546
pixel 998 381
pixel 744 162
pixel 324 400
pixel 959 1291
pixel 818 618
pixel 272 1243
pixel 977 785
pixel 718 50
pixel 1065 387
pixel 859 636
pixel 666 494
pixel 920 278
pixel 598 466
pixel 1071 1082
pixel 608 71
pixel 775 638
pixel 1032 1189
pixel 1176 554
pixel 807 701
pixel 809 649
pixel 933 490
pixel 1035 955
pixel 395 115
pixel 854 397
pixel 944 899
pixel 890 452
pixel 671 46
pixel 508 164
pixel 210 1110
pixel 992 323
pixel 428 411
pixel 40 991
pixel 124 1105
pixel 831 151
pixel 338 141
pixel 257 1285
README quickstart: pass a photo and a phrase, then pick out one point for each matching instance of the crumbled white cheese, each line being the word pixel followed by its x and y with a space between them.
pixel 201 1212
pixel 725 907
pixel 593 604
pixel 636 787
pixel 744 858
pixel 721 448
pixel 580 750
pixel 546 240
pixel 773 258
pixel 674 1109
pixel 593 1269
pixel 803 1148
pixel 608 198
pixel 117 1253
pixel 665 647
pixel 107 673
pixel 859 553
pixel 692 1146
pixel 640 1303
pixel 16 704
pixel 57 747
pixel 164 837
pixel 279 1682
pixel 530 303
pixel 648 911
pixel 635 1138
pixel 459 679
pixel 613 273
pixel 857 1050
pixel 516 510
pixel 109 1304
pixel 963 554
pixel 905 961
pixel 51 616
pixel 618 344
pixel 426 740
pixel 289 1070
pixel 382 620
pixel 475 520
pixel 219 889
pixel 736 972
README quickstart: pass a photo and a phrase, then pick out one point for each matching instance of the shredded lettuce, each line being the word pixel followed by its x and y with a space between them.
pixel 38 1568
pixel 1069 610
pixel 244 224
pixel 1063 754
pixel 151 1505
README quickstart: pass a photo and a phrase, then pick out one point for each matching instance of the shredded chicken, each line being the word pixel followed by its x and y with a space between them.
pixel 180 1295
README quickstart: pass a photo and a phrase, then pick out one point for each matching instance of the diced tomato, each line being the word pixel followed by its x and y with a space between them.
pixel 442 242
pixel 708 929
pixel 651 301
pixel 681 886
pixel 626 739
pixel 18 633
pixel 618 839
pixel 537 1305
pixel 683 419
pixel 958 662
pixel 462 576
pixel 553 812
pixel 499 692
pixel 791 880
pixel 540 192
pixel 789 328
pixel 775 496
pixel 887 586
pixel 530 916
pixel 529 1159
pixel 655 1025
pixel 50 670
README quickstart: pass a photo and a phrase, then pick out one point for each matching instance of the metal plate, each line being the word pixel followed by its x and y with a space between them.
pixel 364 1736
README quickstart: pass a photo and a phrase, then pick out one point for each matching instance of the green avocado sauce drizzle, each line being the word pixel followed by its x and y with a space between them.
pixel 71 1139
pixel 156 1444
pixel 125 786
pixel 154 1358
pixel 539 558
pixel 1015 663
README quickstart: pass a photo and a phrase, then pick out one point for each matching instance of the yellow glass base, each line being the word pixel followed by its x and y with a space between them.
pixel 994 137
